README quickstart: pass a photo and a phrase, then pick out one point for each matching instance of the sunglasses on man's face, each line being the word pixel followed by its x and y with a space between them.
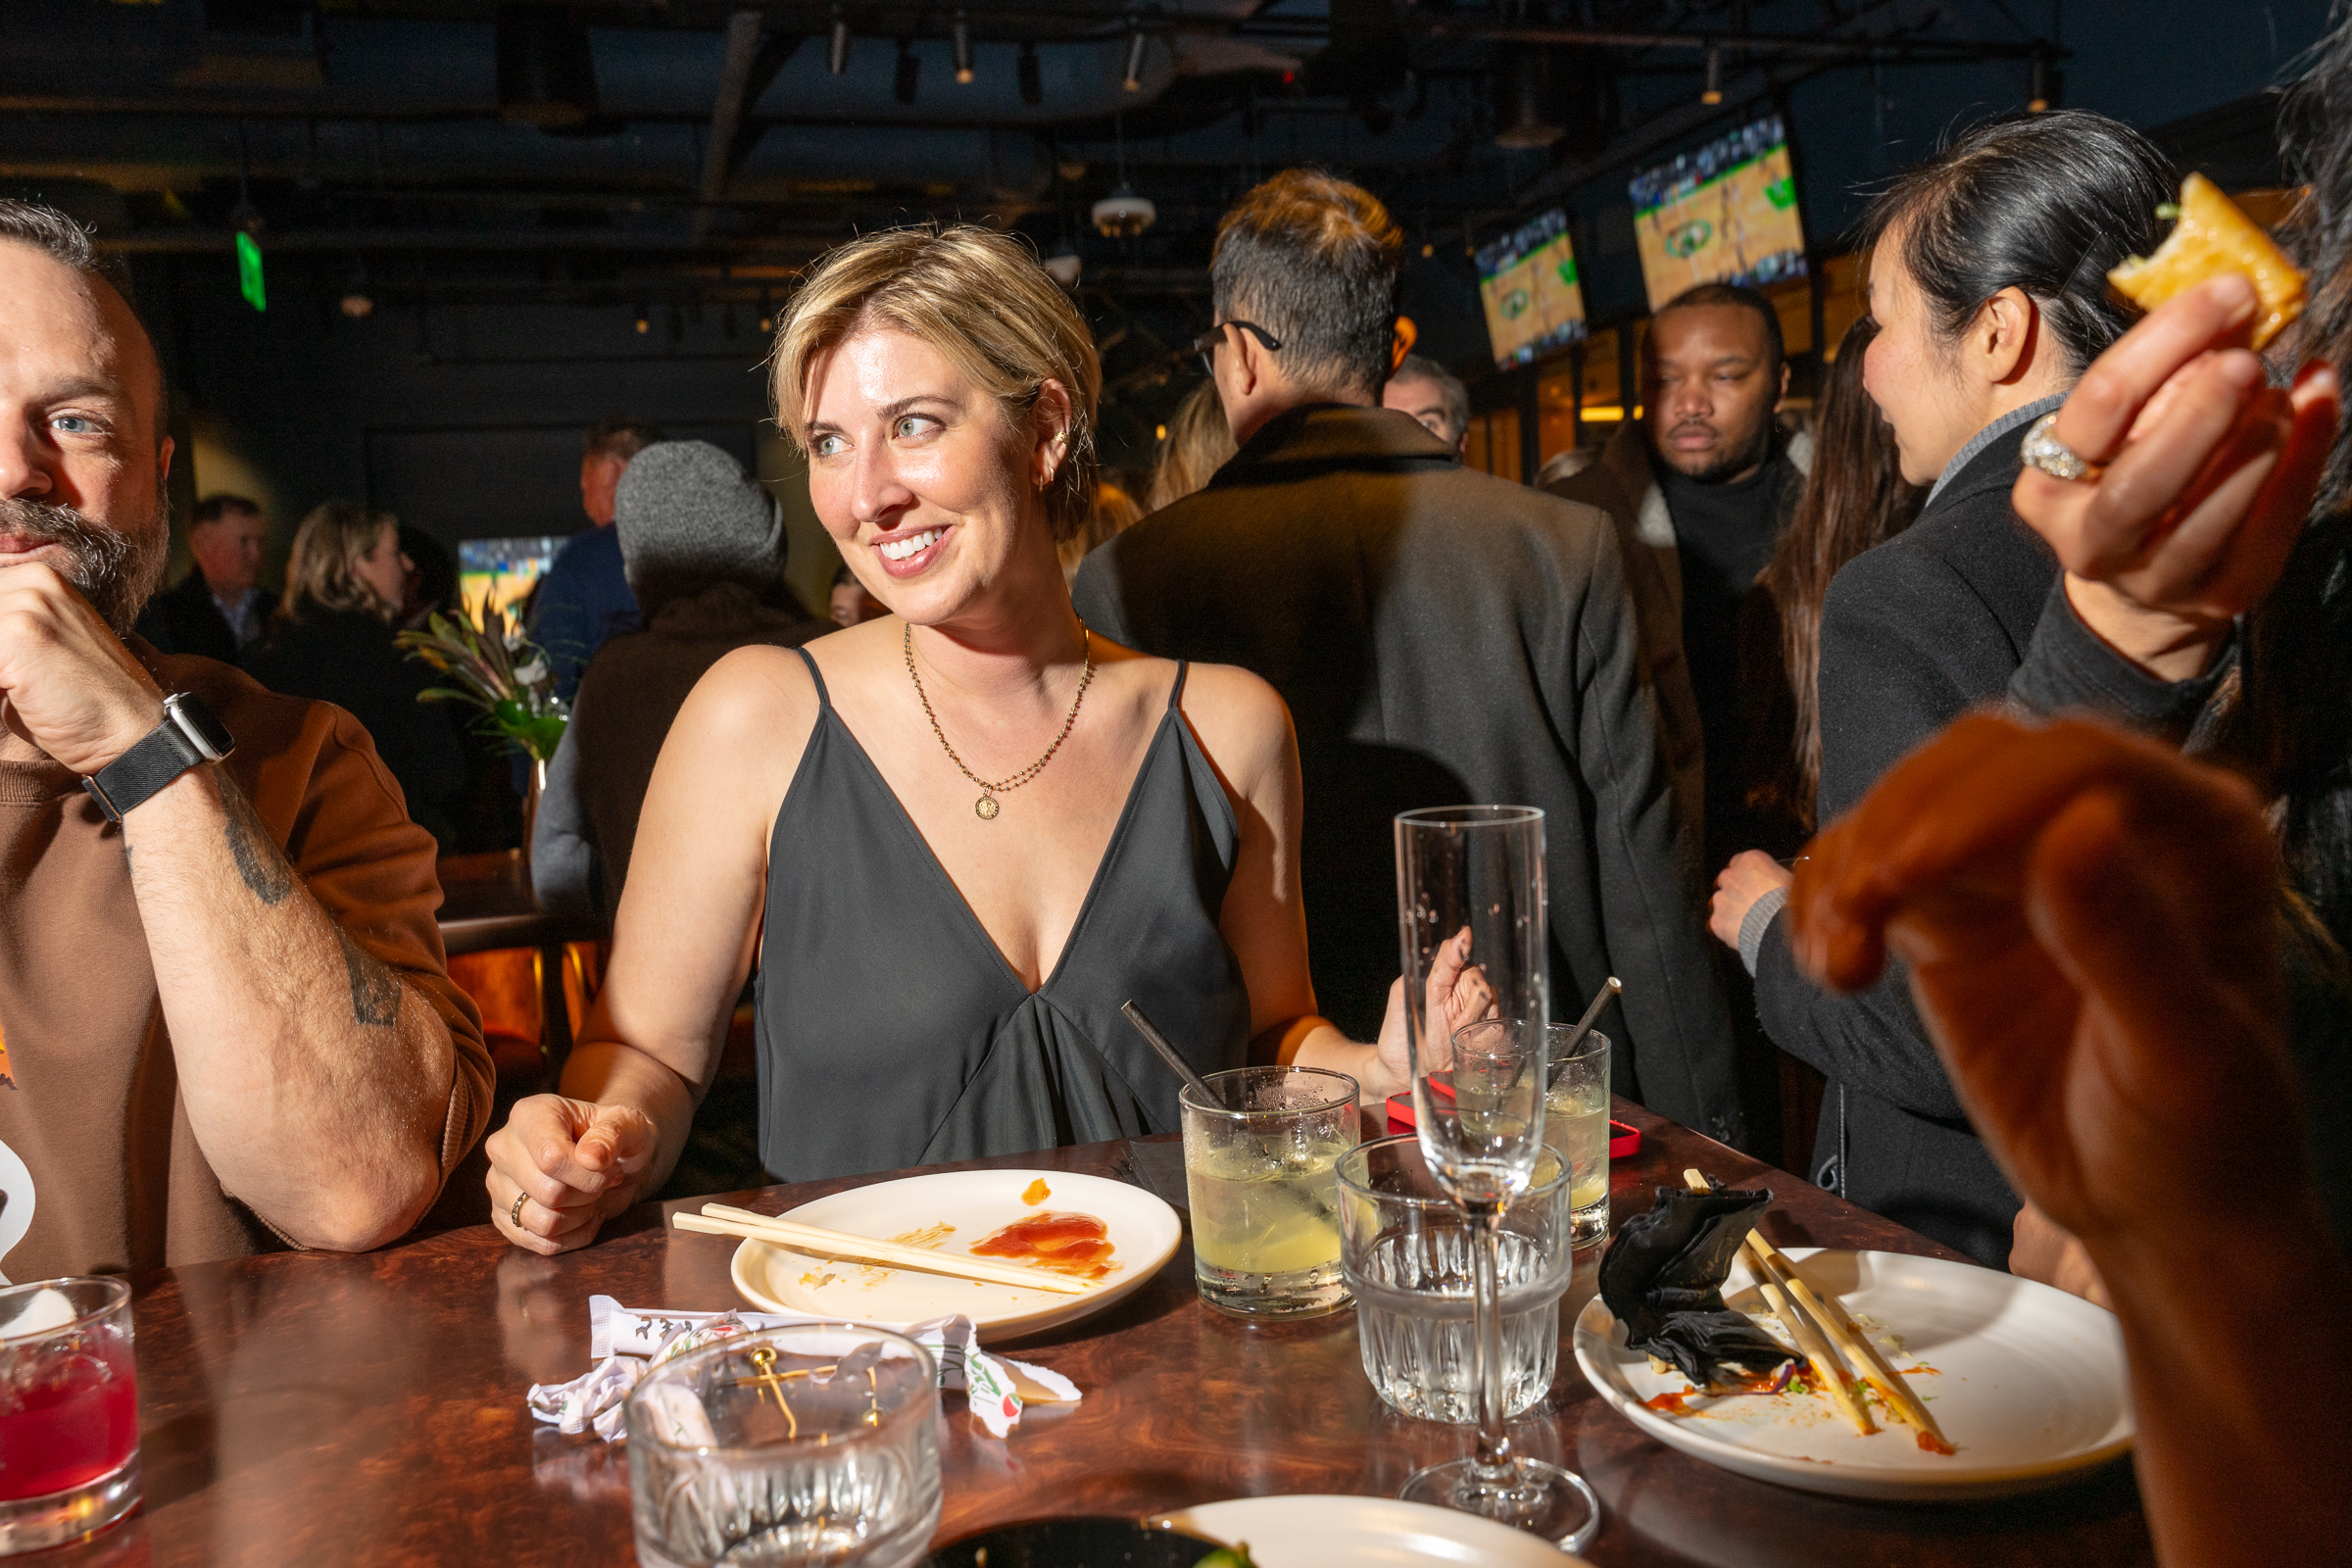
pixel 1207 343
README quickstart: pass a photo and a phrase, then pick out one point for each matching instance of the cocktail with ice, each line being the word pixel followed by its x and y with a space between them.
pixel 69 1411
pixel 1258 1165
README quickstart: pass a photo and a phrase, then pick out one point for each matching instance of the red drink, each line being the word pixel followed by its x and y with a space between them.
pixel 67 1418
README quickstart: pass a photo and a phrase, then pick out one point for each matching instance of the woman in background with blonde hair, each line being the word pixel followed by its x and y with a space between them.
pixel 956 838
pixel 1197 445
pixel 332 640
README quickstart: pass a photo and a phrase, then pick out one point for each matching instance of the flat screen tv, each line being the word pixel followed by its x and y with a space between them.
pixel 1527 282
pixel 503 571
pixel 1724 213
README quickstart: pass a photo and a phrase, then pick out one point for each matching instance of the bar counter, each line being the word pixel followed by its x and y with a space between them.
pixel 369 1409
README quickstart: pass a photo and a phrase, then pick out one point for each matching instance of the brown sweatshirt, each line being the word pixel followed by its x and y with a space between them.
pixel 100 1172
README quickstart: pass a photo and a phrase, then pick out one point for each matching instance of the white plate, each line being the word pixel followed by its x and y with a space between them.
pixel 2028 1384
pixel 1143 1233
pixel 1362 1533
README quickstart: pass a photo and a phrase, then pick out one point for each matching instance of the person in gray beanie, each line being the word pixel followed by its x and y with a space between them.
pixel 703 543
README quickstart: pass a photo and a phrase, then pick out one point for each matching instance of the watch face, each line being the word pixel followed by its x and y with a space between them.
pixel 197 723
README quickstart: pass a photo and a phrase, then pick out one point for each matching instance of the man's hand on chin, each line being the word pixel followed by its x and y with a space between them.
pixel 67 682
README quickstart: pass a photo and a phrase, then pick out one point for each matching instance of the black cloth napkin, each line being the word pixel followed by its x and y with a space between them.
pixel 1663 1279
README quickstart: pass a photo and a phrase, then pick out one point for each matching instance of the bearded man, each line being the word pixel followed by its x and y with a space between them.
pixel 1701 488
pixel 224 1022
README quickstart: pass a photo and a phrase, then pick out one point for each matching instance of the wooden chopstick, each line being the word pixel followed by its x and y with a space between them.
pixel 717 1219
pixel 1832 1374
pixel 1849 1337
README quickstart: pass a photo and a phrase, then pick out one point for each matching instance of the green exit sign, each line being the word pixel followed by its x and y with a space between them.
pixel 249 271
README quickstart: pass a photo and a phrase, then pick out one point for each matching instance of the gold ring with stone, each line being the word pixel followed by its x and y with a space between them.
pixel 515 1214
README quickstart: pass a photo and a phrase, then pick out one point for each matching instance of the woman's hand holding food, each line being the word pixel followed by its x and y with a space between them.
pixel 1456 992
pixel 2208 475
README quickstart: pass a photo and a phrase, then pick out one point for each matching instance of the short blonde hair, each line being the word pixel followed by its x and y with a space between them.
pixel 318 572
pixel 976 295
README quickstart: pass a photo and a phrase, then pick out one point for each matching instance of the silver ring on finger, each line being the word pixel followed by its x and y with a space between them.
pixel 515 1214
pixel 2044 451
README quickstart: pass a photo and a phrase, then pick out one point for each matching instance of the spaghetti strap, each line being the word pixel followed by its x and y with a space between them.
pixel 1176 691
pixel 824 699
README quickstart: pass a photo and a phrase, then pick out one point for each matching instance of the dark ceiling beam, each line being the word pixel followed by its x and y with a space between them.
pixel 744 30
pixel 1791 45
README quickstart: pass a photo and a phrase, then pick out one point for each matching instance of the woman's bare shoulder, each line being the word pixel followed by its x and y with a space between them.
pixel 1240 721
pixel 749 716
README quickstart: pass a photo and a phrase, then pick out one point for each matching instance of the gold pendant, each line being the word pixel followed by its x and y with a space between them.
pixel 985 807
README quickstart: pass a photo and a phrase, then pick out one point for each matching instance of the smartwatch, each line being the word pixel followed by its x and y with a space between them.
pixel 189 735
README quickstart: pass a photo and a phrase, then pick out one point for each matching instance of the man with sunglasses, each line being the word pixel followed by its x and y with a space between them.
pixel 1441 635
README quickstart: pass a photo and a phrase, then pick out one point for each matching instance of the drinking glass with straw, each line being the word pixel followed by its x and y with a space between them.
pixel 1480 870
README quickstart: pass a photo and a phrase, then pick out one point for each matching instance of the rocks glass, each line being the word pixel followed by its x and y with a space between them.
pixel 811 1443
pixel 69 1411
pixel 1407 1249
pixel 1258 1168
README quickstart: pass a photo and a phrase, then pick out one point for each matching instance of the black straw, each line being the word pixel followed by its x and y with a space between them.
pixel 1168 1054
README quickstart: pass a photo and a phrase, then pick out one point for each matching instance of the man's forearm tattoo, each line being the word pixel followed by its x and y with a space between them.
pixel 259 865
pixel 374 988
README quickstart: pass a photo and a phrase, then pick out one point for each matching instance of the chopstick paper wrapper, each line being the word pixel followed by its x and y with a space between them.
pixel 627 1342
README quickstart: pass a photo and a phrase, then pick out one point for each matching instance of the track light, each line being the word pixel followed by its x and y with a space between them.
pixel 645 321
pixel 1033 85
pixel 1134 82
pixel 910 70
pixel 358 299
pixel 1714 90
pixel 2046 85
pixel 839 59
pixel 768 314
pixel 964 51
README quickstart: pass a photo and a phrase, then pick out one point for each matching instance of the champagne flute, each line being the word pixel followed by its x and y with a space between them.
pixel 1480 870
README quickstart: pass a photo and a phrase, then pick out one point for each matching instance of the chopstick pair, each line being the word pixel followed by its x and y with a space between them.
pixel 1823 1324
pixel 718 1219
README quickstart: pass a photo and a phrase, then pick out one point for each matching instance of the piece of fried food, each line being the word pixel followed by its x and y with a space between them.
pixel 2213 237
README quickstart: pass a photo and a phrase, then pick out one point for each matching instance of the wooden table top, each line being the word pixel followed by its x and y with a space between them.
pixel 486 904
pixel 369 1409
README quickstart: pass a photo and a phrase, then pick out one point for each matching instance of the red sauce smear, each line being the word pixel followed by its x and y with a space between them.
pixel 1935 1445
pixel 1076 1245
pixel 1670 1404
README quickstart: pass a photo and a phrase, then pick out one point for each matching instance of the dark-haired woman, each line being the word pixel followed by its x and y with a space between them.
pixel 1988 280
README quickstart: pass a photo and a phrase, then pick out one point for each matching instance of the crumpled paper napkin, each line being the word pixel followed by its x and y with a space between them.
pixel 627 1342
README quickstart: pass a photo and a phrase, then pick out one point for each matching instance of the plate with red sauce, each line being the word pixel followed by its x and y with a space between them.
pixel 2027 1382
pixel 1108 1235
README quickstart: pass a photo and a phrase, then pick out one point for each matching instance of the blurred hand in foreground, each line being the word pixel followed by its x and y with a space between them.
pixel 2209 476
pixel 2091 927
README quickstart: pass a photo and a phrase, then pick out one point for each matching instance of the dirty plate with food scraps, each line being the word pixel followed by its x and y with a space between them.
pixel 948 1212
pixel 2027 1382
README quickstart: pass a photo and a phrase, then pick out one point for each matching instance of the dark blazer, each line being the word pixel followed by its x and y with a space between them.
pixel 1443 637
pixel 347 658
pixel 185 620
pixel 1913 634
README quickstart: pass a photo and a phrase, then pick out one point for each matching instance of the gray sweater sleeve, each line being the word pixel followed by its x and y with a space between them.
pixel 2069 669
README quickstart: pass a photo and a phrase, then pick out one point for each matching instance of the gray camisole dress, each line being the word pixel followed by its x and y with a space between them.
pixel 892 1032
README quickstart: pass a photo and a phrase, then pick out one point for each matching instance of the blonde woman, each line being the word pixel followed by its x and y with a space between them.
pixel 331 639
pixel 953 838
pixel 1197 445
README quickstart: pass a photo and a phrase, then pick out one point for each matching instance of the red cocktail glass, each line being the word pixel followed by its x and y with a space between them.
pixel 69 1411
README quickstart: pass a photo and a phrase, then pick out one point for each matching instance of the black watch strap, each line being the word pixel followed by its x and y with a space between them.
pixel 189 735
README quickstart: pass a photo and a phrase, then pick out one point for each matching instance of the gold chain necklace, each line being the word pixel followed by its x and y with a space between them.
pixel 986 806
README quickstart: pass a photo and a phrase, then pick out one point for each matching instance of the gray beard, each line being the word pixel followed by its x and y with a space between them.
pixel 116 572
